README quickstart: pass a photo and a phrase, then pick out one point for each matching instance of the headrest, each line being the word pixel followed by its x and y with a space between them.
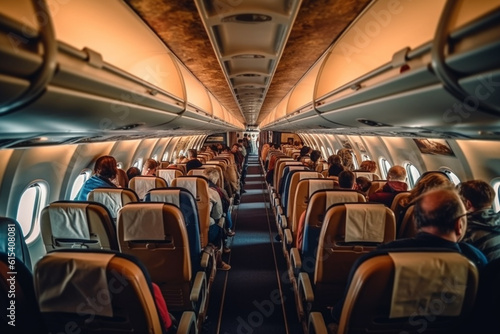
pixel 365 222
pixel 67 280
pixel 167 174
pixel 142 222
pixel 110 199
pixel 334 197
pixel 143 185
pixel 69 220
pixel 189 184
pixel 368 175
pixel 425 283
pixel 166 195
pixel 307 175
pixel 315 185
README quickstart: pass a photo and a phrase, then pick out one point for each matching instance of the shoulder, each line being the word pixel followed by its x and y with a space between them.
pixel 473 254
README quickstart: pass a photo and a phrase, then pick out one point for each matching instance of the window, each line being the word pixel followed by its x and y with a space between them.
pixel 385 167
pixel 138 163
pixel 80 180
pixel 412 174
pixel 165 157
pixel 119 165
pixel 155 157
pixel 354 160
pixel 365 157
pixel 496 186
pixel 329 151
pixel 451 175
pixel 32 201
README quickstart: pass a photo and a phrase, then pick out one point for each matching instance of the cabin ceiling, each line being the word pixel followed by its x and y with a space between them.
pixel 250 93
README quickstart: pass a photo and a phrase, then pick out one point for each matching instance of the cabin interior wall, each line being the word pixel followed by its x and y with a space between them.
pixel 403 150
pixel 482 163
pixel 125 151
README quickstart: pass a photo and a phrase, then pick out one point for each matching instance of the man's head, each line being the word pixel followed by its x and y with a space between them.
pixel 476 194
pixel 212 174
pixel 192 154
pixel 346 179
pixel 149 167
pixel 441 212
pixel 396 173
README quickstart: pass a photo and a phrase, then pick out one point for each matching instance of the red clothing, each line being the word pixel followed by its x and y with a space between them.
pixel 388 192
pixel 162 307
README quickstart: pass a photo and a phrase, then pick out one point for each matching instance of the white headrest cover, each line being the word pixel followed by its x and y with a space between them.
pixel 334 197
pixel 69 280
pixel 315 185
pixel 110 199
pixel 425 283
pixel 69 222
pixel 189 184
pixel 167 196
pixel 142 222
pixel 143 185
pixel 365 222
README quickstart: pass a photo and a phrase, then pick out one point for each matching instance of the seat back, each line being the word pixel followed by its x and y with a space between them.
pixel 168 174
pixel 349 230
pixel 142 184
pixel 376 185
pixel 113 198
pixel 280 167
pixel 396 206
pixel 368 175
pixel 95 292
pixel 386 296
pixel 185 201
pixel 305 188
pixel 284 180
pixel 10 228
pixel 155 233
pixel 198 187
pixel 199 172
pixel 407 228
pixel 291 189
pixel 23 316
pixel 70 224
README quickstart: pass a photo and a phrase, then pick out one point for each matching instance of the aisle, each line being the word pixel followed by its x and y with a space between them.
pixel 248 298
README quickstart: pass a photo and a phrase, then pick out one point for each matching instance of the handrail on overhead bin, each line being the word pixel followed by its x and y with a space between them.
pixel 448 78
pixel 49 64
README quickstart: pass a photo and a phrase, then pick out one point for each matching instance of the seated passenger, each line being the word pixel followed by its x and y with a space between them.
pixel 192 160
pixel 121 179
pixel 133 172
pixel 441 221
pixel 395 184
pixel 215 231
pixel 347 180
pixel 149 168
pixel 367 166
pixel 335 169
pixel 483 224
pixel 363 184
pixel 104 172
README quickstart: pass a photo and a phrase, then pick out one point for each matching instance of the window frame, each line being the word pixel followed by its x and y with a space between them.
pixel 409 175
pixel 450 174
pixel 87 172
pixel 385 165
pixel 40 201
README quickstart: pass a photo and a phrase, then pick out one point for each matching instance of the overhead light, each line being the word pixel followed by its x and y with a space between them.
pixel 247 18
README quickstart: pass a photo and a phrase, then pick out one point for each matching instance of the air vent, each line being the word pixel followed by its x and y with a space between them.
pixel 371 123
pixel 248 56
pixel 248 75
pixel 247 18
pixel 129 126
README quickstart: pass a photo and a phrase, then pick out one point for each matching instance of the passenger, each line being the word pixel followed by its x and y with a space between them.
pixel 104 172
pixel 121 179
pixel 395 184
pixel 166 318
pixel 133 172
pixel 483 227
pixel 345 155
pixel 213 176
pixel 149 168
pixel 304 153
pixel 334 158
pixel 363 184
pixel 313 163
pixel 441 220
pixel 215 231
pixel 335 169
pixel 347 180
pixel 368 166
pixel 192 160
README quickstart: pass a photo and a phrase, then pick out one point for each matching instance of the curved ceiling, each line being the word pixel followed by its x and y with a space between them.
pixel 249 54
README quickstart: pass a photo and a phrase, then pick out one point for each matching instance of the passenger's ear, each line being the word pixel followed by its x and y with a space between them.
pixel 468 205
pixel 460 227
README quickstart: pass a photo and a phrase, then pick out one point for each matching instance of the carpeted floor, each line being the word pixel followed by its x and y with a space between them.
pixel 254 296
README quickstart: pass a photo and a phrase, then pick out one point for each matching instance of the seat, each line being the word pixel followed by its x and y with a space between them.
pixel 349 230
pixel 95 292
pixel 386 296
pixel 10 228
pixel 185 201
pixel 16 286
pixel 199 172
pixel 142 184
pixel 368 175
pixel 71 224
pixel 168 174
pixel 396 206
pixel 198 187
pixel 376 185
pixel 156 234
pixel 113 198
pixel 485 315
pixel 407 228
pixel 291 189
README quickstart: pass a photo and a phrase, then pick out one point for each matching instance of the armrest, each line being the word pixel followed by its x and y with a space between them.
pixel 295 258
pixel 316 323
pixel 187 324
pixel 199 292
pixel 206 254
pixel 305 287
pixel 283 221
pixel 288 236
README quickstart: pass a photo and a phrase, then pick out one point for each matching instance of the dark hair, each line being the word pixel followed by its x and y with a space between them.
pixel 105 166
pixel 346 179
pixel 441 212
pixel 363 183
pixel 133 172
pixel 335 169
pixel 304 150
pixel 315 155
pixel 479 193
